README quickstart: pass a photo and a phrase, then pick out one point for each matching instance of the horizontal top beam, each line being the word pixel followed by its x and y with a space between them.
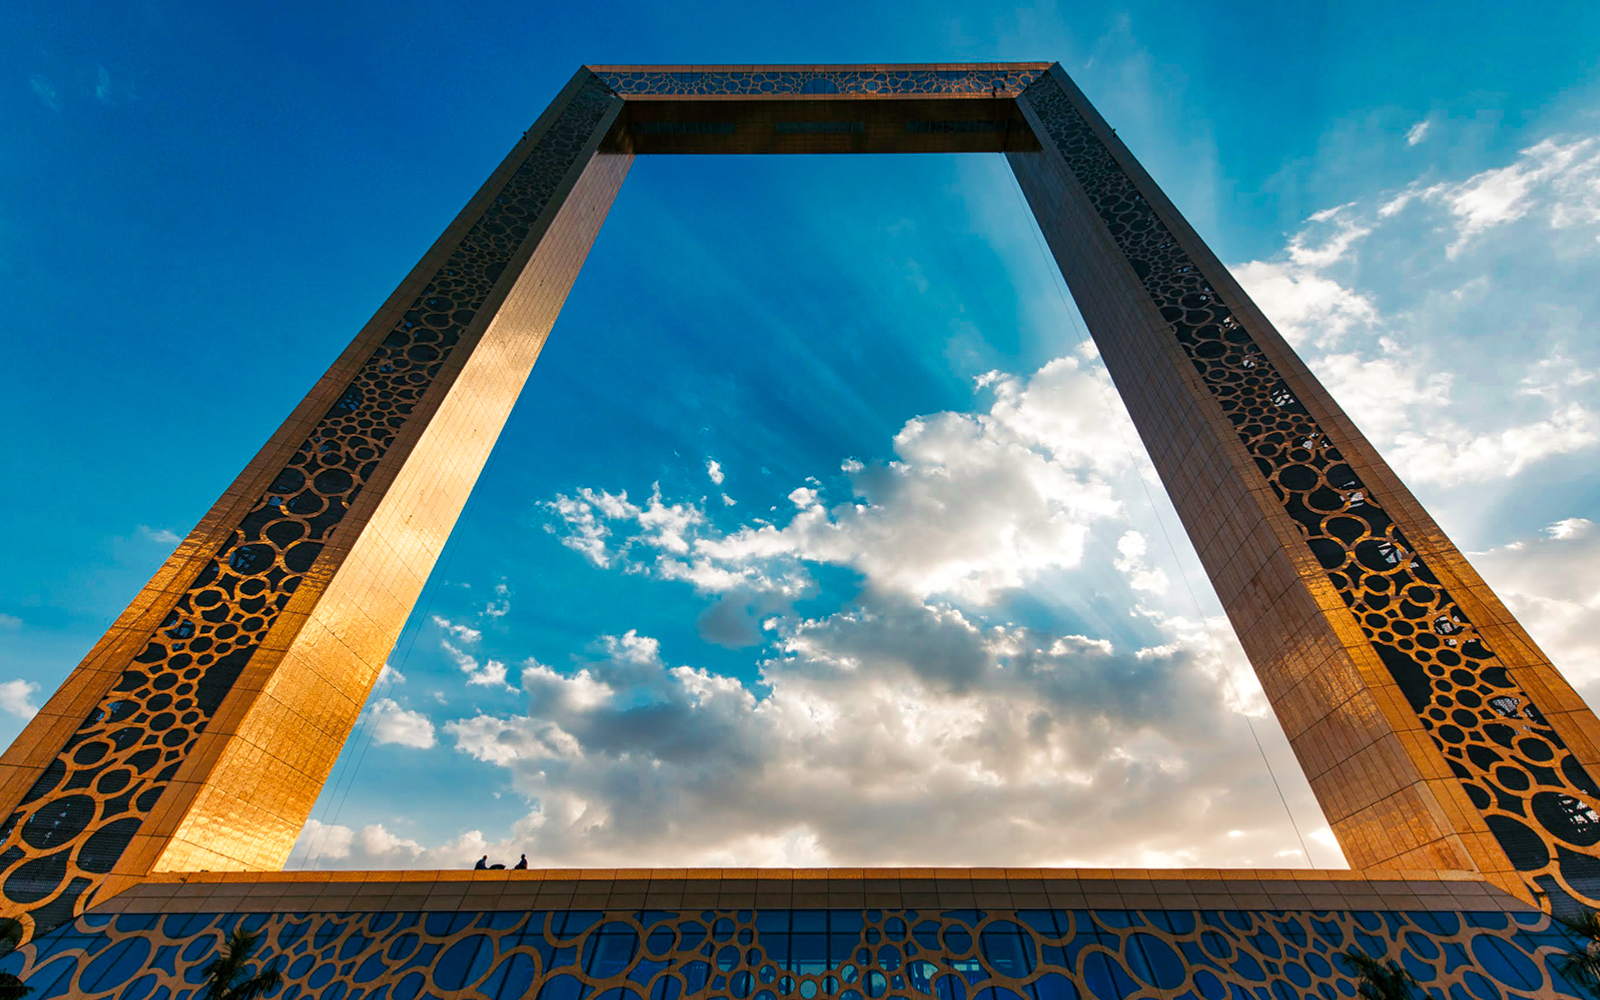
pixel 865 81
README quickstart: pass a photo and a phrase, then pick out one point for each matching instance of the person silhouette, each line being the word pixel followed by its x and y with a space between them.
pixel 482 865
pixel 520 865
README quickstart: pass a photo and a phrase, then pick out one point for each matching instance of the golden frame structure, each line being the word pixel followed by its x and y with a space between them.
pixel 1440 742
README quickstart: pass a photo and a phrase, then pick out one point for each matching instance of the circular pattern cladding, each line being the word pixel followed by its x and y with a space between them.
pixel 843 954
pixel 1536 797
pixel 81 814
pixel 798 82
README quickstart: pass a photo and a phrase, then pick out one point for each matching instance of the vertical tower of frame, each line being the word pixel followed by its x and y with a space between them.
pixel 1434 732
pixel 199 731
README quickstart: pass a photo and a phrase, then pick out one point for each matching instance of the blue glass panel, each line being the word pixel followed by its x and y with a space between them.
pixel 957 940
pixel 668 988
pixel 1209 985
pixel 409 986
pixel 808 954
pixel 810 921
pixel 1106 979
pixel 575 922
pixel 1007 949
pixel 645 970
pixel 53 979
pixel 840 945
pixel 116 965
pixel 1505 963
pixel 1054 986
pixel 1481 987
pixel 321 976
pixel 1154 961
pixel 1444 924
pixel 562 987
pixel 463 962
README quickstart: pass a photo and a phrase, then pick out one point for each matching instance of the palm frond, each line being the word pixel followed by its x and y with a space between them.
pixel 10 935
pixel 221 971
pixel 1379 980
pixel 258 985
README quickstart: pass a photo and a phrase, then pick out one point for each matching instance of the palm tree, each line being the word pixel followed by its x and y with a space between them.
pixel 1377 980
pixel 229 965
pixel 11 987
pixel 1581 965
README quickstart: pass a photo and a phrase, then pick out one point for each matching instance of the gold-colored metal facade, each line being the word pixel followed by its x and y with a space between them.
pixel 198 732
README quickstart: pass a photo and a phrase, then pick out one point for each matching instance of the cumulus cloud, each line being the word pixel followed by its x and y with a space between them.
pixel 1548 581
pixel 892 733
pixel 329 845
pixel 1309 307
pixel 500 605
pixel 916 723
pixel 1410 334
pixel 463 633
pixel 1452 455
pixel 16 697
pixel 491 673
pixel 973 503
pixel 1561 178
pixel 393 724
pixel 714 471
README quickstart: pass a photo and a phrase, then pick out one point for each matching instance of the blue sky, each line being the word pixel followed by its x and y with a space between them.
pixel 947 617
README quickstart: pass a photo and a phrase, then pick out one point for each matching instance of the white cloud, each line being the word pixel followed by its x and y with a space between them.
pixel 1561 177
pixel 1569 528
pixel 714 472
pixel 896 732
pixel 393 724
pixel 1453 456
pixel 491 674
pixel 325 845
pixel 1548 581
pixel 9 622
pixel 500 605
pixel 463 633
pixel 973 504
pixel 16 697
pixel 1418 132
pixel 1309 307
pixel 1414 376
pixel 1131 549
pixel 390 675
pixel 160 536
pixel 45 91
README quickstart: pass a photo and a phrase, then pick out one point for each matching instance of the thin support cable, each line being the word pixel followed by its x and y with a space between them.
pixel 1082 333
pixel 435 581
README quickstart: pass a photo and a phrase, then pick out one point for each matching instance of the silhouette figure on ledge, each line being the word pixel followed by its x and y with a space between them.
pixel 497 868
pixel 520 865
pixel 482 865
